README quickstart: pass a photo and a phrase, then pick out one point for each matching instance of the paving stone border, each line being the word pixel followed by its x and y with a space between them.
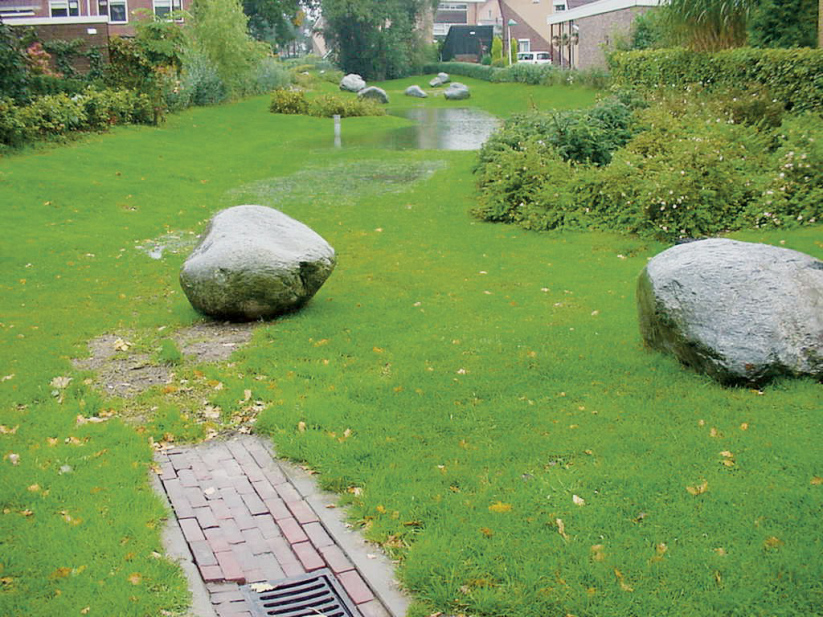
pixel 248 518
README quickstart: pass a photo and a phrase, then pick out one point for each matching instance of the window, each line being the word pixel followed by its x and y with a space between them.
pixel 163 7
pixel 453 6
pixel 64 8
pixel 559 6
pixel 118 12
pixel 524 45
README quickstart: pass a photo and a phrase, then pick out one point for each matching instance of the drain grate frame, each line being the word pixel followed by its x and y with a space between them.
pixel 306 595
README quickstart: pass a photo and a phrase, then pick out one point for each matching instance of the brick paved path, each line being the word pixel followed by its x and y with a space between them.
pixel 245 522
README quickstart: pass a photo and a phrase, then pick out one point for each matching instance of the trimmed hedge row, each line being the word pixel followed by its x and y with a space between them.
pixel 793 76
pixel 534 74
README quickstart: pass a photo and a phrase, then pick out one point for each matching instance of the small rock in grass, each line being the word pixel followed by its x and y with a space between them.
pixel 352 82
pixel 374 93
pixel 457 91
pixel 416 91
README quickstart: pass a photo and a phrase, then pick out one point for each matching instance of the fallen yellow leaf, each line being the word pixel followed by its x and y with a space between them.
pixel 500 507
pixel 135 578
pixel 623 584
pixel 561 528
pixel 772 542
pixel 598 553
pixel 816 481
pixel 698 489
pixel 301 426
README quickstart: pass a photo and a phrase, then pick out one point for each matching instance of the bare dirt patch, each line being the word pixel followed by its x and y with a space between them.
pixel 214 341
pixel 120 371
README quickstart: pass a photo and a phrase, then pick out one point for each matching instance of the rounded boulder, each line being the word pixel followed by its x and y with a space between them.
pixel 740 312
pixel 352 83
pixel 375 94
pixel 255 262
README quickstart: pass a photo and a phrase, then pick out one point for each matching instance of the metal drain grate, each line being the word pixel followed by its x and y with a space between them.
pixel 308 595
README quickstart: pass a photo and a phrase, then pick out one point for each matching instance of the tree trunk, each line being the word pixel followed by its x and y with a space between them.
pixel 820 24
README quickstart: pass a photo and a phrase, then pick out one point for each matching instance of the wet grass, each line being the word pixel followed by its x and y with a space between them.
pixel 458 382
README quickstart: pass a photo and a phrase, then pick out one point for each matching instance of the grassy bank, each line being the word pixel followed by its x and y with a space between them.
pixel 459 382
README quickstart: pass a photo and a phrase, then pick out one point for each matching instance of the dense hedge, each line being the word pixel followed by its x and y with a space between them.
pixel 793 76
pixel 535 74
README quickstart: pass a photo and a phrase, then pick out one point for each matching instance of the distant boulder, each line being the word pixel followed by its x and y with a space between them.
pixel 435 82
pixel 457 91
pixel 352 83
pixel 443 77
pixel 374 93
pixel 255 262
pixel 416 91
pixel 740 312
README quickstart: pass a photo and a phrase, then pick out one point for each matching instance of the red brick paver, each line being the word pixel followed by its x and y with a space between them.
pixel 245 521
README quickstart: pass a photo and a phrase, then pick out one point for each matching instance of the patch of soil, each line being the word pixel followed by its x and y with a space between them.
pixel 213 341
pixel 126 373
pixel 121 373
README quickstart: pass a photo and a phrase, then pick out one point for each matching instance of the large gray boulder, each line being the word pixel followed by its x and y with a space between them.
pixel 255 262
pixel 374 93
pixel 443 77
pixel 435 82
pixel 352 82
pixel 416 91
pixel 740 312
pixel 457 91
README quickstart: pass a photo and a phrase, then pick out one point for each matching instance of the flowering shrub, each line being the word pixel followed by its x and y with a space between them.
pixel 38 60
pixel 693 168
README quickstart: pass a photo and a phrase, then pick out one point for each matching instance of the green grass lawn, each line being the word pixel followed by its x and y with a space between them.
pixel 463 385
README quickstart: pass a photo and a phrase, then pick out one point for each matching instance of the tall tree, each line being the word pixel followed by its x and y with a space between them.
pixel 378 39
pixel 275 20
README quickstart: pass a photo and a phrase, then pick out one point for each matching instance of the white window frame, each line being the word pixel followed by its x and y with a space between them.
pixel 64 5
pixel 524 45
pixel 125 4
pixel 452 6
pixel 171 5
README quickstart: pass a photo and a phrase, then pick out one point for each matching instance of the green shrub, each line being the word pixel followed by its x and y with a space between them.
pixel 200 77
pixel 579 136
pixel 12 127
pixel 328 105
pixel 52 115
pixel 793 76
pixel 52 84
pixel 679 168
pixel 289 101
pixel 269 75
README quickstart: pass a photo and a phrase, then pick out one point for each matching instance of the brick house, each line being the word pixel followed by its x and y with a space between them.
pixel 69 19
pixel 582 33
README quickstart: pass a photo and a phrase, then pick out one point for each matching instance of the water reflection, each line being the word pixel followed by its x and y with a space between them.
pixel 434 129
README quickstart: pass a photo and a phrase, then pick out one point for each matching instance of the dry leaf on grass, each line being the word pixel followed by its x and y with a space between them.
pixel 698 489
pixel 500 507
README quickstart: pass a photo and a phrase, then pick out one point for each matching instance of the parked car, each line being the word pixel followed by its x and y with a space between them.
pixel 534 57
